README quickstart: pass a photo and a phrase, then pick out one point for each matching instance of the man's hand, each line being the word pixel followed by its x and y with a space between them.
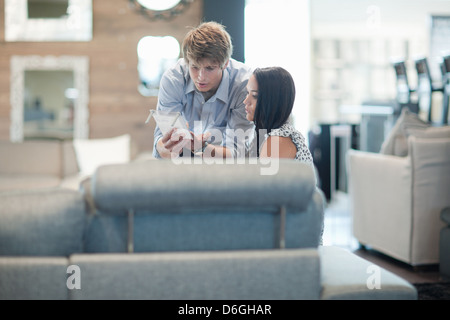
pixel 172 143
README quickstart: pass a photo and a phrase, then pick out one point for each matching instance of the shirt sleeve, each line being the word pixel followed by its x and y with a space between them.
pixel 170 98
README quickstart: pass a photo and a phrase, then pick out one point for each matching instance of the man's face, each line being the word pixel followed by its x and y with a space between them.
pixel 206 75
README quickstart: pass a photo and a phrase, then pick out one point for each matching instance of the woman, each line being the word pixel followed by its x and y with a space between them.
pixel 269 102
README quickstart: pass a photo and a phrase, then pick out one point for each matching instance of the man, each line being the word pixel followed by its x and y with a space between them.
pixel 208 87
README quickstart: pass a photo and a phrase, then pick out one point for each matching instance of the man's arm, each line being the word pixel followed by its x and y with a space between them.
pixel 170 98
pixel 170 143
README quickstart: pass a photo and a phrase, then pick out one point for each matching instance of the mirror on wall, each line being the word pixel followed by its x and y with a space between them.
pixel 49 97
pixel 47 9
pixel 48 20
pixel 48 110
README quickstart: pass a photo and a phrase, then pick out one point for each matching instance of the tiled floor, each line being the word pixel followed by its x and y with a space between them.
pixel 338 223
pixel 338 232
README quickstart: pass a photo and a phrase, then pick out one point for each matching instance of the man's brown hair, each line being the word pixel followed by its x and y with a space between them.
pixel 209 40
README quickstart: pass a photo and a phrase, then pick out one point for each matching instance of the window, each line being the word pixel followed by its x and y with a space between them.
pixel 284 42
pixel 155 55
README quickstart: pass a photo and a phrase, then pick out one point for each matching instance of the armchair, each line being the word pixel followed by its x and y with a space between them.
pixel 396 201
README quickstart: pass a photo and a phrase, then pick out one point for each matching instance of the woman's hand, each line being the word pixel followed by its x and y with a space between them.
pixel 198 141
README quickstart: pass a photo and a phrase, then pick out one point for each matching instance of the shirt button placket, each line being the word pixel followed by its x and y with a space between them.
pixel 205 116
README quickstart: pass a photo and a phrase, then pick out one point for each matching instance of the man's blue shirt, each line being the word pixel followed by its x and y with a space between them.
pixel 223 113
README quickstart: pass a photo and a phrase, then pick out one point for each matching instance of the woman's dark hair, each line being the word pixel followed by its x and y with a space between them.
pixel 276 95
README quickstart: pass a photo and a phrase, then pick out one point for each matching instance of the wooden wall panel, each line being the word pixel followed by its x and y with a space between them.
pixel 115 105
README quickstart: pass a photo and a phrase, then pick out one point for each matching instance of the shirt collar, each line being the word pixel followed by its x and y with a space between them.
pixel 222 91
pixel 190 86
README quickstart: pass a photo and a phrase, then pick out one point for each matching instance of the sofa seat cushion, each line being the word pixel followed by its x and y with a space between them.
pixel 9 182
pixel 231 275
pixel 46 222
pixel 73 181
pixel 345 276
pixel 33 278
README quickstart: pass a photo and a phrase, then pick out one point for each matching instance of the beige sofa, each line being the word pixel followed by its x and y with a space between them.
pixel 37 164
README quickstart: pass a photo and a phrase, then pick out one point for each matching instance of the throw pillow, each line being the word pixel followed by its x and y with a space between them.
pixel 396 143
pixel 92 153
pixel 429 133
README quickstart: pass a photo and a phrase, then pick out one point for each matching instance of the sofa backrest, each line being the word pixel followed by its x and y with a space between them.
pixel 46 222
pixel 31 157
pixel 163 206
pixel 43 157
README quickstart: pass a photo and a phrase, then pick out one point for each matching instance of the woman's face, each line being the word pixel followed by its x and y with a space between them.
pixel 252 98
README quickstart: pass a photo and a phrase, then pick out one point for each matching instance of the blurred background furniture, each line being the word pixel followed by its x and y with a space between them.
pixel 48 163
pixel 396 200
pixel 36 164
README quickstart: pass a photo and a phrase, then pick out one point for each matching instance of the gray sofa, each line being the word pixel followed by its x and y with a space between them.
pixel 160 230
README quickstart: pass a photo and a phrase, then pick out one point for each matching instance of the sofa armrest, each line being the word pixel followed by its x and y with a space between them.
pixel 46 222
pixel 430 159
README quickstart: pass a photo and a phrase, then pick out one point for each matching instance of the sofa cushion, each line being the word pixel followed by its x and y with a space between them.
pixel 396 142
pixel 345 276
pixel 231 275
pixel 429 133
pixel 48 222
pixel 92 153
pixel 33 278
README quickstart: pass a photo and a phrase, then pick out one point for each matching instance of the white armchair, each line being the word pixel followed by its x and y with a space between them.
pixel 396 201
